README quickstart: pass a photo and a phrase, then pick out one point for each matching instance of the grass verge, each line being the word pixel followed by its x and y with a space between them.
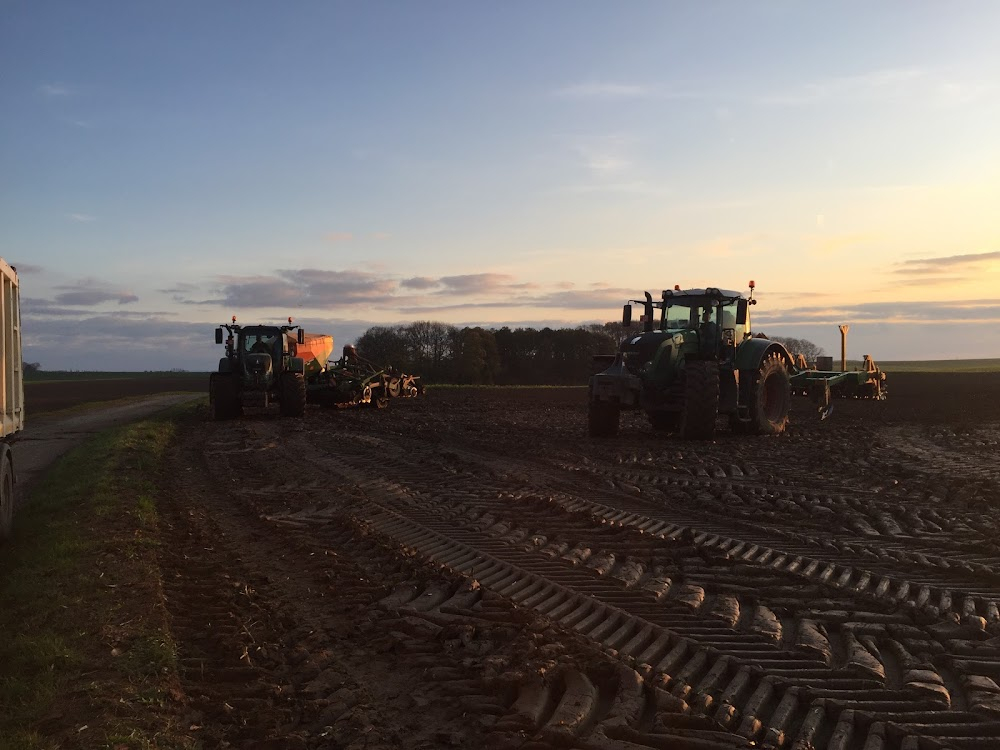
pixel 86 659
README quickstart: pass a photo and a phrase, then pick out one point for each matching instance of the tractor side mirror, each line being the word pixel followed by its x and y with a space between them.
pixel 302 336
pixel 627 316
pixel 218 335
pixel 741 312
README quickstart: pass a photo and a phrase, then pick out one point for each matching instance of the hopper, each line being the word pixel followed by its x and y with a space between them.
pixel 315 350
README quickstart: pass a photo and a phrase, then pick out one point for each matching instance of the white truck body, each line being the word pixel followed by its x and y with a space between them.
pixel 11 389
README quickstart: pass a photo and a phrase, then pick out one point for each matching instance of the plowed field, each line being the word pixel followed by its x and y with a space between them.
pixel 469 569
pixel 48 396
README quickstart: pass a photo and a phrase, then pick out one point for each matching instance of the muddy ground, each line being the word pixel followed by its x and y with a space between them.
pixel 468 569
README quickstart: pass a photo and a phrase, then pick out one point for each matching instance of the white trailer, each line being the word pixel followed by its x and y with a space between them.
pixel 11 390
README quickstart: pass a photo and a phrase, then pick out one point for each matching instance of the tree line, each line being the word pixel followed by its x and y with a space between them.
pixel 442 353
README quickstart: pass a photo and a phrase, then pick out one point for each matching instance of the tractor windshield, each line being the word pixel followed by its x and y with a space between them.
pixel 688 313
pixel 684 313
pixel 259 343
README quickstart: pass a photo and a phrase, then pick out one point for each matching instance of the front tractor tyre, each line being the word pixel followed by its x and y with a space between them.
pixel 293 395
pixel 770 397
pixel 701 399
pixel 225 397
pixel 603 418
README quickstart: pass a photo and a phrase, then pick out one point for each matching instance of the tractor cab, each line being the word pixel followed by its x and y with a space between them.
pixel 716 318
pixel 684 324
pixel 260 353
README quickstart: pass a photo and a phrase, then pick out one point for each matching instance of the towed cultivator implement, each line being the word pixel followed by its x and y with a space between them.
pixel 353 380
pixel 823 385
pixel 701 360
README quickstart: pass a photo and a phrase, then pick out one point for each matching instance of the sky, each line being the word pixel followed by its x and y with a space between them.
pixel 166 165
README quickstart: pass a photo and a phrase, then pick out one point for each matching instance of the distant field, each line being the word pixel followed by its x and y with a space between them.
pixel 72 389
pixel 59 376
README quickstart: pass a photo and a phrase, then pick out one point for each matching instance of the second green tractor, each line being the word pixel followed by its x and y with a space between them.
pixel 696 359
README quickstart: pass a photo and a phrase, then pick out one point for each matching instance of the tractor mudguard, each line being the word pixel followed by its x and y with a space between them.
pixel 296 364
pixel 225 365
pixel 752 352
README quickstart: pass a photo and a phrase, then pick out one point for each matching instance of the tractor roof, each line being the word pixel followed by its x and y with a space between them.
pixel 262 329
pixel 694 296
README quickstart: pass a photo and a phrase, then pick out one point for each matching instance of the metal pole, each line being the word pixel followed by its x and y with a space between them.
pixel 843 347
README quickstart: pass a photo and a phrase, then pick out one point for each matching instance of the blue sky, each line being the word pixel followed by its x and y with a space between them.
pixel 166 165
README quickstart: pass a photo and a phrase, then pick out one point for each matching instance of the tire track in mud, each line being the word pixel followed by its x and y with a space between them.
pixel 926 684
pixel 564 692
pixel 968 591
pixel 414 480
pixel 277 644
pixel 706 499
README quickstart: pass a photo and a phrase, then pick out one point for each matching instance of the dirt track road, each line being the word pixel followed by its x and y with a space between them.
pixel 47 437
pixel 470 569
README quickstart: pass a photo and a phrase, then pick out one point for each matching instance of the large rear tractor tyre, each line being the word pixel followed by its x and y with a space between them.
pixel 225 398
pixel 293 395
pixel 770 398
pixel 664 421
pixel 701 400
pixel 603 418
pixel 6 494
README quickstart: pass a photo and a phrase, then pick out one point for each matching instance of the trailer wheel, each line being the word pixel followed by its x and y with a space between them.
pixel 701 400
pixel 293 395
pixel 770 397
pixel 226 399
pixel 6 494
pixel 603 418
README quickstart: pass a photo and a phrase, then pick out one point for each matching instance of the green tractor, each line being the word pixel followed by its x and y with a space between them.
pixel 260 368
pixel 696 359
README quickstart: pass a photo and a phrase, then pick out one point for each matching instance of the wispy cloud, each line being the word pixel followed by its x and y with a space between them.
pixel 923 265
pixel 947 311
pixel 944 270
pixel 420 282
pixel 82 218
pixel 584 301
pixel 936 87
pixel 603 90
pixel 337 237
pixel 54 89
pixel 478 283
pixel 90 292
pixel 27 268
pixel 308 288
pixel 604 156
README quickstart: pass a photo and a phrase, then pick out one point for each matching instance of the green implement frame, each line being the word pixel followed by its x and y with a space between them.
pixel 349 381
